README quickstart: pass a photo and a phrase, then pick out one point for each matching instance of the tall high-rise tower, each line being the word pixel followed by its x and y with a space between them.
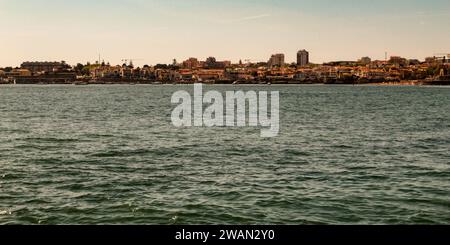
pixel 302 58
pixel 276 60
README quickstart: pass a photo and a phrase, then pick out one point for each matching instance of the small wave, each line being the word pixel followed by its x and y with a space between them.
pixel 52 140
pixel 296 152
pixel 4 212
pixel 122 153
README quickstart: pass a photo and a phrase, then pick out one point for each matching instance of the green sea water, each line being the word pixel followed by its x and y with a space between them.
pixel 110 155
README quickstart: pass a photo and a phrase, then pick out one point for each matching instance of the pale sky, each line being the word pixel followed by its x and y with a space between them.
pixel 156 31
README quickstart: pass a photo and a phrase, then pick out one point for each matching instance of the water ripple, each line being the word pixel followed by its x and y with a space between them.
pixel 109 155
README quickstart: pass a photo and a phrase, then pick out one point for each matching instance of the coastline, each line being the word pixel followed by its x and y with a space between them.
pixel 154 83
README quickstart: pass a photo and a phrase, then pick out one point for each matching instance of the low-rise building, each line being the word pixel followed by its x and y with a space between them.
pixel 186 74
pixel 240 74
pixel 212 63
pixel 18 73
pixel 36 67
pixel 209 74
pixel 167 75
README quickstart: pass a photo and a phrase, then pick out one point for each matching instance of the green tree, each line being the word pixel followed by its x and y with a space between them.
pixel 161 66
pixel 79 67
pixel 8 69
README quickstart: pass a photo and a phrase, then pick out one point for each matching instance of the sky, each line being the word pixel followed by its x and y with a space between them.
pixel 157 31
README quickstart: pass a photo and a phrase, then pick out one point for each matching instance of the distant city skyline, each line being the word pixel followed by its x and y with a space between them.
pixel 156 31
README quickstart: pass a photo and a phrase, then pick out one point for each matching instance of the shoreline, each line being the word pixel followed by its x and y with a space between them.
pixel 382 84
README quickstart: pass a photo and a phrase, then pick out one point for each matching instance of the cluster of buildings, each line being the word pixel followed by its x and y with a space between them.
pixel 277 60
pixel 275 70
pixel 39 72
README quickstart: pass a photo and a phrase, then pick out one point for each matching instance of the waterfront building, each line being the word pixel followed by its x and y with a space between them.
pixel 186 74
pixel 302 58
pixel 304 73
pixel 276 60
pixel 374 73
pixel 209 74
pixel 48 78
pixel 36 67
pixel 240 74
pixel 167 75
pixel 108 71
pixel 19 73
pixel 126 72
pixel 147 72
